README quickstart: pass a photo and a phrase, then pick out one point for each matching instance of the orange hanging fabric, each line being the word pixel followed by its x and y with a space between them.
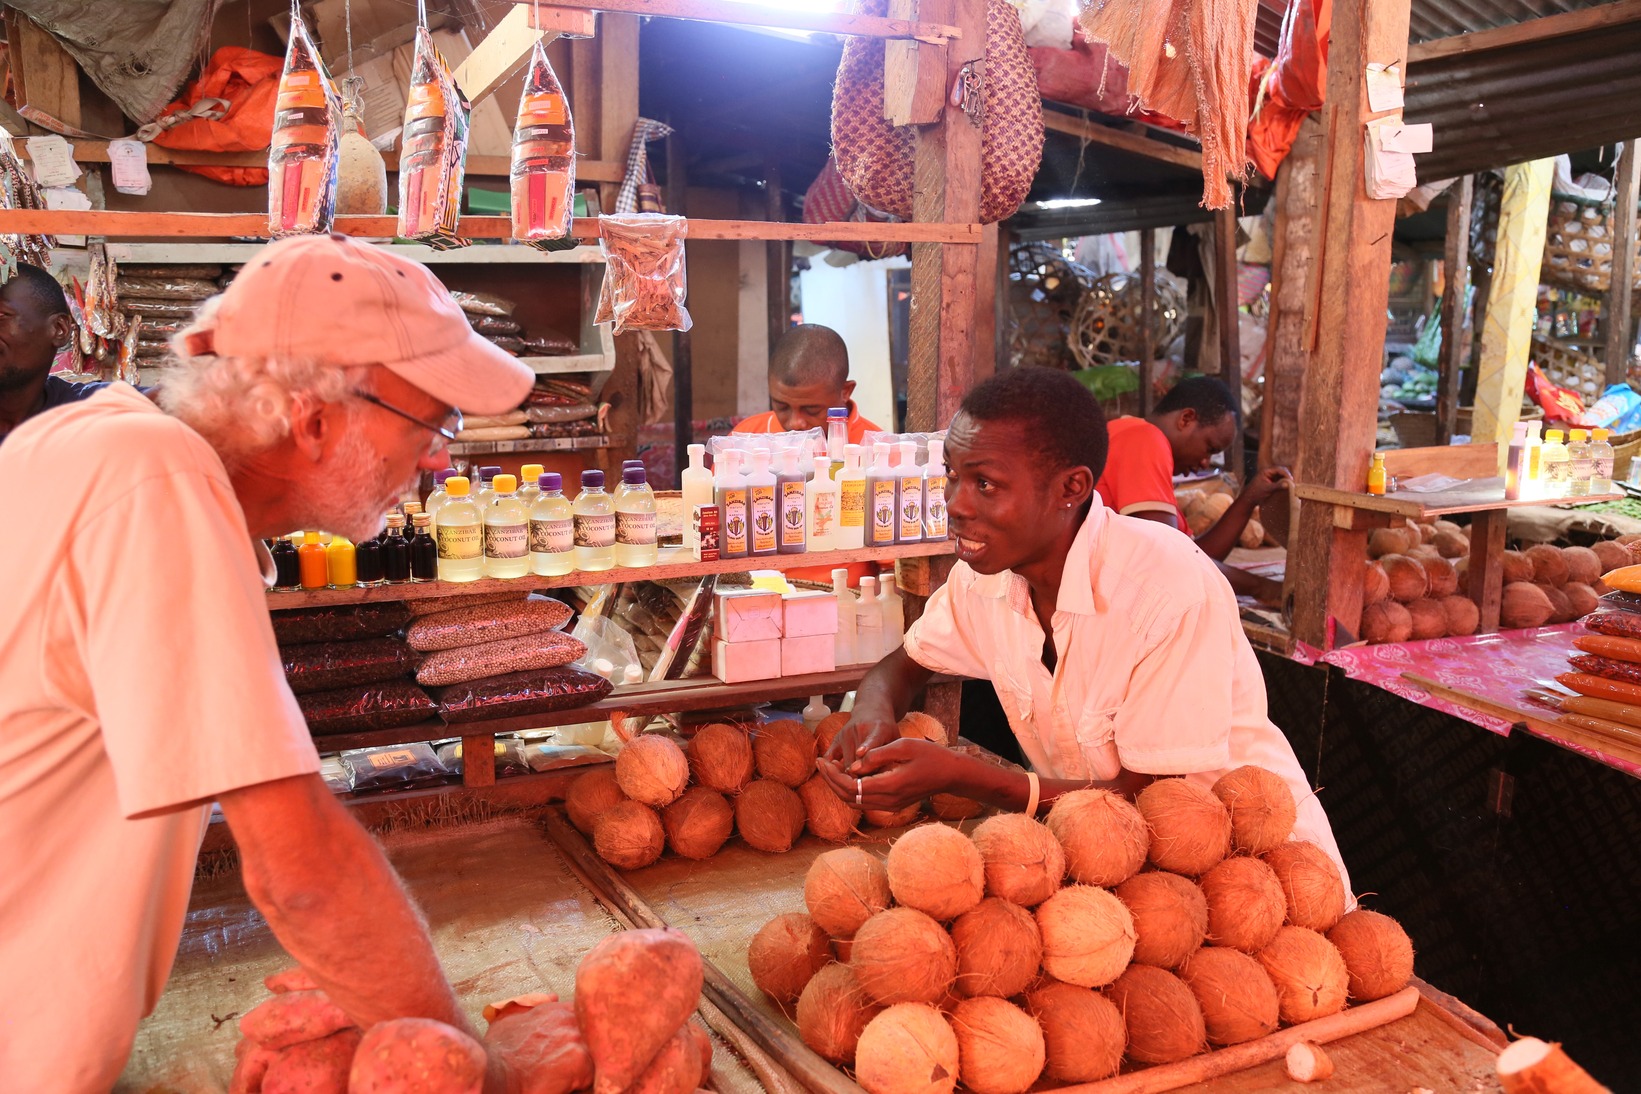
pixel 248 82
pixel 1294 85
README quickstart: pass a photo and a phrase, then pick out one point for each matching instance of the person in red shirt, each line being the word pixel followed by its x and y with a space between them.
pixel 1192 424
pixel 808 375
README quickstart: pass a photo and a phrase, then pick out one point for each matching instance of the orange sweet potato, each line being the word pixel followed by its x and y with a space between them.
pixel 313 1067
pixel 417 1056
pixel 293 1017
pixel 632 993
pixel 703 1040
pixel 252 1066
pixel 542 1046
pixel 295 978
pixel 676 1069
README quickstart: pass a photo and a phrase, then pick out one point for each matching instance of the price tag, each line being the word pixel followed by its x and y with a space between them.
pixel 1384 87
pixel 380 760
pixel 53 159
pixel 129 160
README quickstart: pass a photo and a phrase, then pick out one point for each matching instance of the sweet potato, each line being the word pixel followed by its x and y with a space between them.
pixel 417 1056
pixel 293 1017
pixel 676 1069
pixel 543 1047
pixel 252 1066
pixel 518 1004
pixel 295 978
pixel 632 992
pixel 313 1067
pixel 703 1041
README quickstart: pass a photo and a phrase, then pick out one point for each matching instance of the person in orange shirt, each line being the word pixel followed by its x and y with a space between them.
pixel 808 375
pixel 1191 425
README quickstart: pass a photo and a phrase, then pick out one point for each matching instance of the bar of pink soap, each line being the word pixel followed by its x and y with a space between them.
pixel 738 662
pixel 812 653
pixel 750 615
pixel 809 613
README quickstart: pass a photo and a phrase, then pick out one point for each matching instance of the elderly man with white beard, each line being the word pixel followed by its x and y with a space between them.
pixel 139 679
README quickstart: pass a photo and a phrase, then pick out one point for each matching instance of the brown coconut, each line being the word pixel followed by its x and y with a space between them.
pixel 1088 935
pixel 698 823
pixel 845 888
pixel 589 796
pixel 1308 972
pixel 923 727
pixel 1408 579
pixel 1261 806
pixel 1561 608
pixel 1024 862
pixel 769 816
pixel 1310 882
pixel 1429 619
pixel 907 1049
pixel 652 769
pixel 785 953
pixel 893 818
pixel 629 835
pixel 1581 599
pixel 1170 917
pixel 720 758
pixel 902 956
pixel 1378 954
pixel 1083 1032
pixel 1423 553
pixel 1161 1015
pixel 785 752
pixel 1583 565
pixel 828 816
pixel 1549 568
pixel 1427 532
pixel 937 870
pixel 1443 580
pixel 1388 541
pixel 1104 836
pixel 843 949
pixel 1451 545
pixel 1516 566
pixel 999 948
pixel 1610 556
pixel 827 729
pixel 1524 604
pixel 832 1012
pixel 955 807
pixel 1000 1047
pixel 1238 1000
pixel 1190 828
pixel 1462 615
pixel 1375 584
pixel 1246 906
pixel 1386 621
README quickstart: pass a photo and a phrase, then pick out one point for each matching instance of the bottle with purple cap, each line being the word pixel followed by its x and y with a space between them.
pixel 437 499
pixel 552 529
pixel 594 518
pixel 635 520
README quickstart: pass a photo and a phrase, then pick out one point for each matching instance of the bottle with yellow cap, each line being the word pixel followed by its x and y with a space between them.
pixel 460 534
pixel 340 567
pixel 311 558
pixel 529 491
pixel 506 531
pixel 1601 463
pixel 1553 462
pixel 1578 464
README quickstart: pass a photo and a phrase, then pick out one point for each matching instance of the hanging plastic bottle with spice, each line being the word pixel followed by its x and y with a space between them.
pixel 302 153
pixel 543 169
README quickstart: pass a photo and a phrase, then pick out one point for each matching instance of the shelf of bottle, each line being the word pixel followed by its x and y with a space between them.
pixel 530 444
pixel 184 252
pixel 674 563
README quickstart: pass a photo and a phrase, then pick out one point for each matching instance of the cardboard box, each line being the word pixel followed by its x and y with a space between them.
pixel 808 613
pixel 749 615
pixel 802 656
pixel 739 662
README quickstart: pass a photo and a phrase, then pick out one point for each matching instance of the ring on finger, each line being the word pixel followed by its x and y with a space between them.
pixel 859 788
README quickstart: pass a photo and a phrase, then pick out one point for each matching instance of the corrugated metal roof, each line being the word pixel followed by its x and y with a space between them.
pixel 1445 18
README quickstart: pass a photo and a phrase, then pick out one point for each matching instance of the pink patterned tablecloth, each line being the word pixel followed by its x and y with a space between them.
pixel 1494 667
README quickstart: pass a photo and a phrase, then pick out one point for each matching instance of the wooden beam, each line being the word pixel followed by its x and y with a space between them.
pixel 1455 307
pixel 1123 139
pixel 914 75
pixel 617 93
pixel 1621 293
pixel 1148 319
pixel 501 53
pixel 1227 319
pixel 45 77
pixel 1341 397
pixel 683 357
pixel 1528 32
pixel 758 15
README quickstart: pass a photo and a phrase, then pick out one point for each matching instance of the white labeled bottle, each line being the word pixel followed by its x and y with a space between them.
pixel 843 643
pixel 761 507
pixel 868 624
pixel 697 485
pixel 1533 487
pixel 851 501
pixel 1579 468
pixel 790 495
pixel 820 506
pixel 732 506
pixel 552 529
pixel 934 491
pixel 815 711
pixel 893 609
pixel 635 520
pixel 437 498
pixel 882 492
pixel 837 433
pixel 529 484
pixel 506 531
pixel 1601 463
pixel 1554 464
pixel 594 516
pixel 460 534
pixel 909 491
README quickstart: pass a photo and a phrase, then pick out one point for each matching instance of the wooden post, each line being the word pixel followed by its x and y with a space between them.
pixel 1226 315
pixel 777 259
pixel 1340 407
pixel 1294 250
pixel 1455 308
pixel 1621 293
pixel 683 362
pixel 1148 319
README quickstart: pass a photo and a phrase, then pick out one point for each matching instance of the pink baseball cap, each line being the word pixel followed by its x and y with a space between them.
pixel 335 299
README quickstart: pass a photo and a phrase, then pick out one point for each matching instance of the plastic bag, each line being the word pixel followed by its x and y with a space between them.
pixel 644 281
pixel 472 625
pixel 483 303
pixel 1558 403
pixel 1618 402
pixel 164 288
pixel 512 757
pixel 396 767
pixel 307 134
pixel 375 706
pixel 434 156
pixel 543 170
pixel 344 624
pixel 323 666
pixel 518 693
pixel 575 412
pixel 610 648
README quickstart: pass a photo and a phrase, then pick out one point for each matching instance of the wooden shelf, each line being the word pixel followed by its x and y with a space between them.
pixel 1474 496
pixel 675 564
pixel 572 362
pixel 758 15
pixel 532 444
pixel 231 254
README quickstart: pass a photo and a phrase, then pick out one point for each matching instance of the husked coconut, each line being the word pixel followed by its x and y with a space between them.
pixel 923 727
pixel 1024 862
pixel 1388 541
pixel 1261 806
pixel 1386 621
pixel 628 835
pixel 1083 1032
pixel 1443 579
pixel 1190 828
pixel 1462 615
pixel 1516 567
pixel 907 1049
pixel 1088 935
pixel 845 888
pixel 720 758
pixel 1246 905
pixel 1429 618
pixel 1308 972
pixel 769 816
pixel 652 769
pixel 1161 1015
pixel 937 870
pixel 1238 1000
pixel 1581 599
pixel 1408 579
pixel 1583 565
pixel 785 953
pixel 698 823
pixel 999 948
pixel 1170 917
pixel 1610 556
pixel 589 796
pixel 1000 1047
pixel 902 956
pixel 827 729
pixel 1104 836
pixel 1310 884
pixel 893 818
pixel 832 1012
pixel 1549 567
pixel 1524 604
pixel 1451 544
pixel 829 817
pixel 1375 583
pixel 1561 608
pixel 955 807
pixel 1378 954
pixel 784 751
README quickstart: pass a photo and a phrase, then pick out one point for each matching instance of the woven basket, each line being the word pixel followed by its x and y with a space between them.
pixel 1044 290
pixel 1571 369
pixel 1578 246
pixel 1107 329
pixel 875 158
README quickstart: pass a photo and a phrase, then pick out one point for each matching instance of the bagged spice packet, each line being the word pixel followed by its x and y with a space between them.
pixel 434 155
pixel 543 173
pixel 644 284
pixel 303 154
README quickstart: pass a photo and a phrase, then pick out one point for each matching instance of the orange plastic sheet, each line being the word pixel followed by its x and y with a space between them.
pixel 1292 85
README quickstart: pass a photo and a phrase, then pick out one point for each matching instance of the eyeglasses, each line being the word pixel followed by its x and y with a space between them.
pixel 442 434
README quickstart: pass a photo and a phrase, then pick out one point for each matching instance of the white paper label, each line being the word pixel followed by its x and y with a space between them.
pixel 129 161
pixel 1384 87
pixel 53 159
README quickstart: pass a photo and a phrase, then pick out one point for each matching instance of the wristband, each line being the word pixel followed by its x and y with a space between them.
pixel 1036 793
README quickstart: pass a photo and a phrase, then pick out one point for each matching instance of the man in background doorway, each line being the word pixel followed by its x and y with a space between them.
pixel 34 325
pixel 808 375
pixel 1192 424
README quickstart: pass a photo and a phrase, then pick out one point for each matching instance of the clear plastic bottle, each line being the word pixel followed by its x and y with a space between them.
pixel 792 533
pixel 868 624
pixel 1579 468
pixel 837 433
pixel 635 520
pixel 843 643
pixel 552 529
pixel 594 515
pixel 621 487
pixel 460 534
pixel 486 492
pixel 934 491
pixel 1553 461
pixel 340 570
pixel 764 517
pixel 437 498
pixel 1601 463
pixel 395 551
pixel 1534 485
pixel 697 487
pixel 909 490
pixel 732 505
pixel 529 491
pixel 893 609
pixel 506 531
pixel 851 501
pixel 820 508
pixel 881 500
pixel 310 558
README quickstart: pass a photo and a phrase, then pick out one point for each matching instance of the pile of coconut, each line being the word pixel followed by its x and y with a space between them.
pixel 692 796
pixel 1112 932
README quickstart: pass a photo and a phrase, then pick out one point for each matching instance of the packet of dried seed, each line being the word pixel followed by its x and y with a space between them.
pixel 644 284
pixel 433 159
pixel 543 173
pixel 303 154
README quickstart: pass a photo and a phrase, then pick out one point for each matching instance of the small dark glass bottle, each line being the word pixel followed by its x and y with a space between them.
pixel 287 568
pixel 395 551
pixel 367 561
pixel 424 550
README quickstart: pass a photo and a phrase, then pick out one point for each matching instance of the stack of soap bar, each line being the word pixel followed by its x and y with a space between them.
pixel 748 627
pixel 809 628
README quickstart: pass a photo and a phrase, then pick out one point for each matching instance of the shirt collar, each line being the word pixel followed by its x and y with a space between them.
pixel 1076 579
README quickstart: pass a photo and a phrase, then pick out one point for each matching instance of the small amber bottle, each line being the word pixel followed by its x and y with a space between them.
pixel 311 558
pixel 339 563
pixel 1376 474
pixel 424 551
